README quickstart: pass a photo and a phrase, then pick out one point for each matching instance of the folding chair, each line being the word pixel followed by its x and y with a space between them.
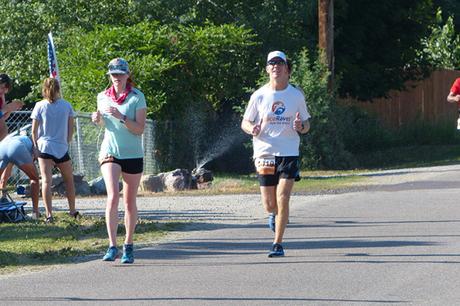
pixel 10 210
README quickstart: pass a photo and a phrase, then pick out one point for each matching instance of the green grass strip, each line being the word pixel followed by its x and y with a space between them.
pixel 31 243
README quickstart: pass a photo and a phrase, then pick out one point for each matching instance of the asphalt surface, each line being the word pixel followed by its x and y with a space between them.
pixel 396 242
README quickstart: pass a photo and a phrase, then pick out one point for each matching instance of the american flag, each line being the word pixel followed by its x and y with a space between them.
pixel 52 59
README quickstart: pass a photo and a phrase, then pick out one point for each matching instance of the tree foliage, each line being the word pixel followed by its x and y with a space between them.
pixel 449 8
pixel 324 147
pixel 376 44
pixel 25 24
pixel 289 25
pixel 173 66
pixel 442 47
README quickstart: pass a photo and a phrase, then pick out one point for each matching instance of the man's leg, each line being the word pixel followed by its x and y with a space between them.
pixel 268 194
pixel 283 194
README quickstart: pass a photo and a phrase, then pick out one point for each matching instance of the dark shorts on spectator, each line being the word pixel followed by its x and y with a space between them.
pixel 56 160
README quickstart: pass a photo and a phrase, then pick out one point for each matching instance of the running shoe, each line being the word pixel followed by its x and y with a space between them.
pixel 271 221
pixel 111 254
pixel 277 250
pixel 49 220
pixel 128 256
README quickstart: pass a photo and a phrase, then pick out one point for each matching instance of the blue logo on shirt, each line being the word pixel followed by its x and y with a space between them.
pixel 278 108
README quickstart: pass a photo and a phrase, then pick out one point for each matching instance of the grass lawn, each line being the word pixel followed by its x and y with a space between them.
pixel 314 181
pixel 35 243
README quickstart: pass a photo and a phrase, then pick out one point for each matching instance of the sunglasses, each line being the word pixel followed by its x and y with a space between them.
pixel 117 67
pixel 276 62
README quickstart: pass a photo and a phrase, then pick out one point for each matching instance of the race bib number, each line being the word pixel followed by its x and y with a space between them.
pixel 265 166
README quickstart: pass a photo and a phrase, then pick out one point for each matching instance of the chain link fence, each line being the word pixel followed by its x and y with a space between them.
pixel 84 148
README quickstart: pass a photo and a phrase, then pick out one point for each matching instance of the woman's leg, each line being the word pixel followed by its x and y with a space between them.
pixel 46 171
pixel 5 176
pixel 31 171
pixel 130 187
pixel 111 174
pixel 67 175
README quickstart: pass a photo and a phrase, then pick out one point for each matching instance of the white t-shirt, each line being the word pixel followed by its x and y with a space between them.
pixel 277 109
pixel 53 119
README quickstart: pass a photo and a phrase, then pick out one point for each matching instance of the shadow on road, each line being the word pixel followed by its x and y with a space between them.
pixel 197 299
pixel 184 249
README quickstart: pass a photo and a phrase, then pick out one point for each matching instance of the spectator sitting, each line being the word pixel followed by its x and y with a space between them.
pixel 18 150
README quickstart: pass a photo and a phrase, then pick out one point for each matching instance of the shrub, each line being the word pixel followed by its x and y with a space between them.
pixel 323 146
pixel 182 70
pixel 361 131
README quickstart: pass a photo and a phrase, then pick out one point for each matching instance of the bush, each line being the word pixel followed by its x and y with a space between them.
pixel 184 72
pixel 175 67
pixel 375 146
pixel 323 147
pixel 361 131
pixel 427 133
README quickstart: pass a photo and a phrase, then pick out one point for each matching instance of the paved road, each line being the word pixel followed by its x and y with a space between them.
pixel 397 243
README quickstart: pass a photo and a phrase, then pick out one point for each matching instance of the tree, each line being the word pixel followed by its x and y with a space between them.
pixel 442 47
pixel 174 65
pixel 376 44
pixel 324 147
pixel 189 75
pixel 287 25
pixel 25 25
pixel 449 8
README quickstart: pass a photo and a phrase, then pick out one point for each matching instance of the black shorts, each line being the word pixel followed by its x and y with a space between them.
pixel 56 160
pixel 128 165
pixel 286 167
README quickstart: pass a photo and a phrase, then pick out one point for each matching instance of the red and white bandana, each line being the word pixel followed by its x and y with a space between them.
pixel 110 92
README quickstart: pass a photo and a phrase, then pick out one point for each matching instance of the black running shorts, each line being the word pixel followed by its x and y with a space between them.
pixel 128 165
pixel 286 167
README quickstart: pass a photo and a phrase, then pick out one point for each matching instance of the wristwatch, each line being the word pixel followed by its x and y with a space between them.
pixel 123 119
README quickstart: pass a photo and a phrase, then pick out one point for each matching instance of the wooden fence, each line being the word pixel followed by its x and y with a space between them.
pixel 425 101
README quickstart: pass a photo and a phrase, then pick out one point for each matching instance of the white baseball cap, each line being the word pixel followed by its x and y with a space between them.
pixel 274 54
